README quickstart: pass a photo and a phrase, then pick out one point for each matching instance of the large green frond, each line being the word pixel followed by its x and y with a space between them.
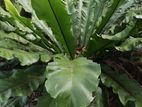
pixel 126 88
pixel 13 46
pixel 22 82
pixel 68 82
pixel 56 16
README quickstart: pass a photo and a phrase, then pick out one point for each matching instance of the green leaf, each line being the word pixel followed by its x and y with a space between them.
pixel 27 25
pixel 98 9
pixel 14 12
pixel 26 4
pixel 13 46
pixel 4 13
pixel 26 58
pixel 93 12
pixel 84 15
pixel 45 100
pixel 39 24
pixel 115 16
pixel 98 44
pixel 98 101
pixel 72 82
pixel 13 40
pixel 129 44
pixel 22 82
pixel 6 26
pixel 55 14
pixel 109 11
pixel 121 35
pixel 120 12
pixel 15 102
pixel 126 88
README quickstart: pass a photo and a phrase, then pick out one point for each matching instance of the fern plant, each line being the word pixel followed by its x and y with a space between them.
pixel 62 48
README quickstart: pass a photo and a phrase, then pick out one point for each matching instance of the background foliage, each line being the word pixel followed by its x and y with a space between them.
pixel 70 53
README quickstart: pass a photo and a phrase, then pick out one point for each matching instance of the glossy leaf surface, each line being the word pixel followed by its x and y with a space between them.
pixel 72 82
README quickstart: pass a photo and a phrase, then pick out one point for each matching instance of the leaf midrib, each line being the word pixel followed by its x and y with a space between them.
pixel 68 49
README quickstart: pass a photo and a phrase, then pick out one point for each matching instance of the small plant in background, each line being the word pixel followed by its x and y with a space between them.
pixel 70 53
